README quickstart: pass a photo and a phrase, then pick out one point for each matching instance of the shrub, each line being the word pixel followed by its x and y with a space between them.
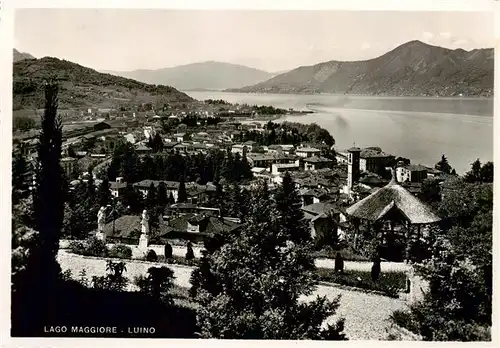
pixel 77 247
pixel 151 256
pixel 189 252
pixel 168 251
pixel 157 283
pixel 96 247
pixel 339 263
pixel 120 251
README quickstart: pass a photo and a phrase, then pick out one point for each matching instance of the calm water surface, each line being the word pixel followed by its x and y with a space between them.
pixel 421 129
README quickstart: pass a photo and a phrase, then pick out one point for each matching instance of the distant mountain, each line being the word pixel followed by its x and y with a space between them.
pixel 412 69
pixel 82 87
pixel 20 56
pixel 200 76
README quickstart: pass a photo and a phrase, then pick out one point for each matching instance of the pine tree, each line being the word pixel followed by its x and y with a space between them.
pixel 443 165
pixel 151 197
pixel 104 194
pixel 182 195
pixel 249 283
pixel 40 277
pixel 162 197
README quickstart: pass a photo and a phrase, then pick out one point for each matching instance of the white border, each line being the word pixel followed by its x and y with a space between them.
pixel 6 42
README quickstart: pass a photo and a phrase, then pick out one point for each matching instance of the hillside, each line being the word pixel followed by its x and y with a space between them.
pixel 200 76
pixel 412 69
pixel 20 56
pixel 82 87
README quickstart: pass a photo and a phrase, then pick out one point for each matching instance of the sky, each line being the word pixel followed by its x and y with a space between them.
pixel 129 39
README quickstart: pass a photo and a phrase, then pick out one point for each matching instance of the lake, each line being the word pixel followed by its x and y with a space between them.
pixel 418 128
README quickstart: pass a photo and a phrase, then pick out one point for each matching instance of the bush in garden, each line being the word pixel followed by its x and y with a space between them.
pixel 120 251
pixel 189 252
pixel 157 283
pixel 339 263
pixel 77 247
pixel 168 251
pixel 375 273
pixel 151 256
pixel 96 247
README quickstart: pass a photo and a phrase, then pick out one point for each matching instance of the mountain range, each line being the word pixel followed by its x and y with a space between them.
pixel 82 87
pixel 200 76
pixel 20 56
pixel 412 69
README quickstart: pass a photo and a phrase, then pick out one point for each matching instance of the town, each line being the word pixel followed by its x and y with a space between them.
pixel 141 191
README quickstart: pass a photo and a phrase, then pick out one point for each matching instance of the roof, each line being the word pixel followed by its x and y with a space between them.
pixel 213 224
pixel 285 165
pixel 117 185
pixel 354 149
pixel 317 159
pixel 320 208
pixel 123 226
pixel 147 183
pixel 415 167
pixel 389 197
pixel 307 149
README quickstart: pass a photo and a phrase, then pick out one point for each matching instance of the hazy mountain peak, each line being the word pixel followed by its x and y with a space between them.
pixel 202 75
pixel 20 55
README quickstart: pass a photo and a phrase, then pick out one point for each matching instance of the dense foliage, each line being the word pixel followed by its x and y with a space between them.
pixel 173 166
pixel 289 133
pixel 248 286
pixel 457 305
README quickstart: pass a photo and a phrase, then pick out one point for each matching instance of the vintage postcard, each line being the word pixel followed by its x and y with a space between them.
pixel 251 174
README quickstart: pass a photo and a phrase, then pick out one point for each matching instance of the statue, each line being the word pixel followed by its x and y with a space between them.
pixel 101 219
pixel 145 222
pixel 144 239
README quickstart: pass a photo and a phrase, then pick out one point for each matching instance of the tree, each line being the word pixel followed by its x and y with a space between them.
pixel 20 181
pixel 41 272
pixel 474 175
pixel 168 251
pixel 104 194
pixel 189 252
pixel 487 172
pixel 375 272
pixel 443 165
pixel 158 282
pixel 458 303
pixel 162 197
pixel 182 194
pixel 151 197
pixel 248 284
pixel 157 143
pixel 339 263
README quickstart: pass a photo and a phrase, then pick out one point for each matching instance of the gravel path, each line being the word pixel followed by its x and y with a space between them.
pixel 365 314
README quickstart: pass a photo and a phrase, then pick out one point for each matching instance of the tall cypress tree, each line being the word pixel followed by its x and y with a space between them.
pixel 182 195
pixel 104 194
pixel 39 282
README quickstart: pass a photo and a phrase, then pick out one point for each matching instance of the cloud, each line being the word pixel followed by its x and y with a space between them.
pixel 365 46
pixel 427 36
pixel 459 42
pixel 445 35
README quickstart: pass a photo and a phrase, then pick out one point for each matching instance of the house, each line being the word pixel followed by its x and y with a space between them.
pixel 316 163
pixel 196 227
pixel 260 160
pixel 288 149
pixel 323 218
pixel 240 148
pixel 142 149
pixel 341 158
pixel 117 187
pixel 372 158
pixel 280 168
pixel 172 187
pixel 180 137
pixel 306 152
pixel 315 195
pixel 130 138
pixel 68 165
pixel 125 229
pixel 273 149
pixel 411 173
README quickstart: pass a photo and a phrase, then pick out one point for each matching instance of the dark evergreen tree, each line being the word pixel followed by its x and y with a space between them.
pixel 157 143
pixel 443 165
pixel 41 273
pixel 162 197
pixel 487 172
pixel 375 272
pixel 168 251
pixel 151 200
pixel 182 194
pixel 189 251
pixel 339 263
pixel 104 193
